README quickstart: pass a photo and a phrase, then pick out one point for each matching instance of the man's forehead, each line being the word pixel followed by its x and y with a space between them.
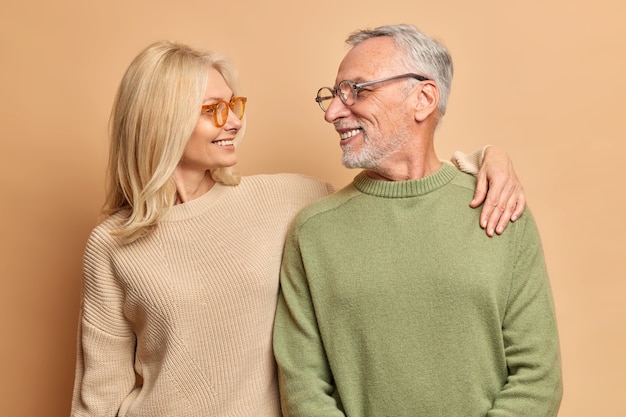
pixel 372 58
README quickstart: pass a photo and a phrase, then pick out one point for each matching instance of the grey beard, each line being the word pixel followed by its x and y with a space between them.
pixel 363 159
pixel 368 157
pixel 357 161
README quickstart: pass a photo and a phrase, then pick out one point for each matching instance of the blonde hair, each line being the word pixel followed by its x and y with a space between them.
pixel 156 108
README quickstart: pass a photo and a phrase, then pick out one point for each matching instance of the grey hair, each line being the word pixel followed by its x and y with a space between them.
pixel 421 54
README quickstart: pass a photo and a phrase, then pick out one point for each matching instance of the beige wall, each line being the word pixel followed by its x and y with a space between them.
pixel 543 79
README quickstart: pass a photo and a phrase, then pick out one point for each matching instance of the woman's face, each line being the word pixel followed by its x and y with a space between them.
pixel 211 147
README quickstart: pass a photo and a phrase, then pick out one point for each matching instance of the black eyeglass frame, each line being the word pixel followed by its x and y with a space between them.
pixel 356 87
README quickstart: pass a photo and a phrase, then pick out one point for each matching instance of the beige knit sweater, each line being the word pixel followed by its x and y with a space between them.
pixel 190 309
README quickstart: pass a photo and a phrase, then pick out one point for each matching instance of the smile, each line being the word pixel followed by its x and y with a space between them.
pixel 224 142
pixel 349 134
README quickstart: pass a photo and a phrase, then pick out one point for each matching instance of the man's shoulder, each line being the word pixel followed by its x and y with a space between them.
pixel 465 181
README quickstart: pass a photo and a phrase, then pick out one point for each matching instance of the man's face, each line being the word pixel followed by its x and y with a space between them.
pixel 375 129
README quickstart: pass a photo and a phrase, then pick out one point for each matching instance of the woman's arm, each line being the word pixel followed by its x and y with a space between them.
pixel 497 187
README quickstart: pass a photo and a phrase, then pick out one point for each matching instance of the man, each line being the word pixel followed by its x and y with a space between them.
pixel 387 314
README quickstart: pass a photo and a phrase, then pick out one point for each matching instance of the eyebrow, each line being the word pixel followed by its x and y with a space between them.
pixel 359 80
pixel 214 98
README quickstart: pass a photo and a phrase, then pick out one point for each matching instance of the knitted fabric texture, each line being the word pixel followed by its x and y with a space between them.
pixel 395 303
pixel 190 308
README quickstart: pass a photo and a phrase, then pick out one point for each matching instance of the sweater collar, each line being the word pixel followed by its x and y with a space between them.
pixel 403 189
pixel 198 206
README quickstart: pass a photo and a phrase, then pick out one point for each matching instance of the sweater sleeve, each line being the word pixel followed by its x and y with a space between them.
pixel 469 163
pixel 305 378
pixel 534 385
pixel 104 374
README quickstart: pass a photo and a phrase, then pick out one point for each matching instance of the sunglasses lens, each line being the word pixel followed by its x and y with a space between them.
pixel 238 105
pixel 221 114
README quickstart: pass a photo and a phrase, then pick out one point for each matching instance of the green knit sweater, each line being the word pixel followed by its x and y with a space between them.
pixel 395 303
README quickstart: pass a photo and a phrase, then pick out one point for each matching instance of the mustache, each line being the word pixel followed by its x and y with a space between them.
pixel 345 125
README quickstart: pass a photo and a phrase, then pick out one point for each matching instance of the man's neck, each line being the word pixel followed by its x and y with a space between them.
pixel 413 169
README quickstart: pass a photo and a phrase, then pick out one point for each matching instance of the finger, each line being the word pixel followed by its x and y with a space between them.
pixel 503 207
pixel 506 216
pixel 513 209
pixel 520 206
pixel 495 204
pixel 485 214
pixel 510 211
pixel 494 218
pixel 481 190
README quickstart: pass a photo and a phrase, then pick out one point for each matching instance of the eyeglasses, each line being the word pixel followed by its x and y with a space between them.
pixel 348 90
pixel 219 110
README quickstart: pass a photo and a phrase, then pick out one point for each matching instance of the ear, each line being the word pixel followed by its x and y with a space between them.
pixel 427 100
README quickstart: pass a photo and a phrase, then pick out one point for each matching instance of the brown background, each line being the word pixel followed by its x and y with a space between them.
pixel 543 79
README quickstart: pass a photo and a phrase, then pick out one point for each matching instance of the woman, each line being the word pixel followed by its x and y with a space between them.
pixel 181 277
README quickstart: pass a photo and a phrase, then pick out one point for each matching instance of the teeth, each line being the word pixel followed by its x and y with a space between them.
pixel 349 133
pixel 224 142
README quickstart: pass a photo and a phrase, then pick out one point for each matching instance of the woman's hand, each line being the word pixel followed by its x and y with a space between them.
pixel 501 191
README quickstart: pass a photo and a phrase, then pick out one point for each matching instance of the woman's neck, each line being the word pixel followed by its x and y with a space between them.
pixel 191 185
